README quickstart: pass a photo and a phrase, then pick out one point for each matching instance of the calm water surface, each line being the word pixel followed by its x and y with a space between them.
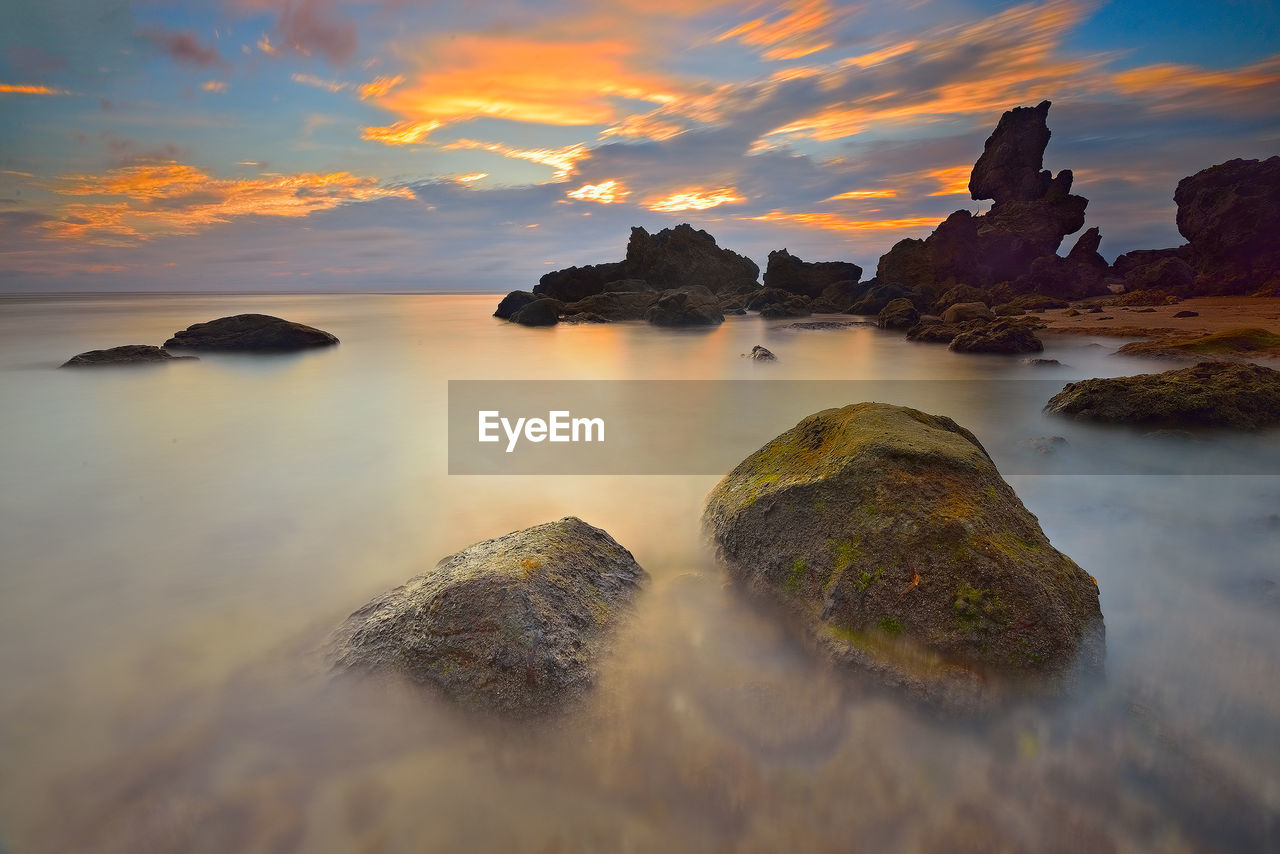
pixel 175 543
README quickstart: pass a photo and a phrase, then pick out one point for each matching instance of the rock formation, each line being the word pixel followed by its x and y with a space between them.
pixel 250 333
pixel 807 278
pixel 903 552
pixel 515 624
pixel 1230 215
pixel 128 354
pixel 1219 394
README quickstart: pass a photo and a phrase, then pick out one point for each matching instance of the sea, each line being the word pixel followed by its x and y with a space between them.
pixel 178 541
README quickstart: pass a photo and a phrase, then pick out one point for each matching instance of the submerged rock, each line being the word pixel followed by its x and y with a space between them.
pixel 250 333
pixel 1221 394
pixel 515 624
pixel 893 537
pixel 761 354
pixel 128 354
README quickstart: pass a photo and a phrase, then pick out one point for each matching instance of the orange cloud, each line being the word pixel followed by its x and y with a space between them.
pixel 863 194
pixel 30 89
pixel 606 192
pixel 214 86
pixel 796 31
pixel 138 202
pixel 560 159
pixel 400 133
pixel 695 199
pixel 952 181
pixel 835 222
pixel 558 82
pixel 379 86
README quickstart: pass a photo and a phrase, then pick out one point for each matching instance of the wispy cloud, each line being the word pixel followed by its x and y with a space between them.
pixel 30 89
pixel 183 46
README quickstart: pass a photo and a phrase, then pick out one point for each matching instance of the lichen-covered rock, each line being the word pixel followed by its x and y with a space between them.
pixel 807 278
pixel 127 354
pixel 1211 394
pixel 540 312
pixel 686 307
pixel 515 624
pixel 1003 336
pixel 512 303
pixel 898 314
pixel 250 333
pixel 892 535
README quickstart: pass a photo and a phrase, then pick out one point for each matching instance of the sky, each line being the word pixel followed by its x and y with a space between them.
pixel 390 145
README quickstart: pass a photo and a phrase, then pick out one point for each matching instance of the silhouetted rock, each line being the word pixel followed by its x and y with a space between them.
pixel 250 333
pixel 616 305
pixel 898 314
pixel 683 257
pixel 686 307
pixel 515 625
pixel 512 303
pixel 540 312
pixel 575 283
pixel 1227 394
pixel 1011 167
pixel 891 537
pixel 1230 214
pixel 128 354
pixel 1003 336
pixel 1083 273
pixel 808 278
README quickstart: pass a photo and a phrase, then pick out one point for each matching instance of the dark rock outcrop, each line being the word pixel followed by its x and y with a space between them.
pixel 1220 394
pixel 514 625
pixel 1003 336
pixel 1230 215
pixel 1167 274
pixel 898 314
pixel 891 536
pixel 128 354
pixel 256 333
pixel 575 283
pixel 807 278
pixel 616 305
pixel 765 297
pixel 540 312
pixel 1033 211
pixel 1083 273
pixel 685 256
pixel 794 306
pixel 877 297
pixel 962 311
pixel 686 307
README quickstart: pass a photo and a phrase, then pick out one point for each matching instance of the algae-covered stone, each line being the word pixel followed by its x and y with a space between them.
pixel 515 624
pixel 893 536
pixel 1217 394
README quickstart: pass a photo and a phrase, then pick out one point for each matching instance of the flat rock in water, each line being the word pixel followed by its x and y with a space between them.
pixel 250 333
pixel 128 354
pixel 515 625
pixel 893 538
pixel 1217 394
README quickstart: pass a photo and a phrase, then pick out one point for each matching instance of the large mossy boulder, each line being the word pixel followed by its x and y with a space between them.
pixel 1210 394
pixel 892 536
pixel 515 625
pixel 127 354
pixel 250 333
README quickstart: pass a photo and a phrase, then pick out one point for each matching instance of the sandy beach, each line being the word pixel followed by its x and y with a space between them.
pixel 1214 314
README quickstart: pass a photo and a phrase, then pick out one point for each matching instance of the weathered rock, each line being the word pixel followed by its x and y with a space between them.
pixel 616 305
pixel 1225 394
pixel 898 314
pixel 250 333
pixel 128 354
pixel 684 256
pixel 575 283
pixel 1230 214
pixel 540 312
pixel 515 625
pixel 1011 167
pixel 796 306
pixel 512 303
pixel 761 354
pixel 892 536
pixel 1003 336
pixel 808 278
pixel 960 312
pixel 686 307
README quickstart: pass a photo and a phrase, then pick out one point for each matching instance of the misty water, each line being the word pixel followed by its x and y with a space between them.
pixel 177 541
